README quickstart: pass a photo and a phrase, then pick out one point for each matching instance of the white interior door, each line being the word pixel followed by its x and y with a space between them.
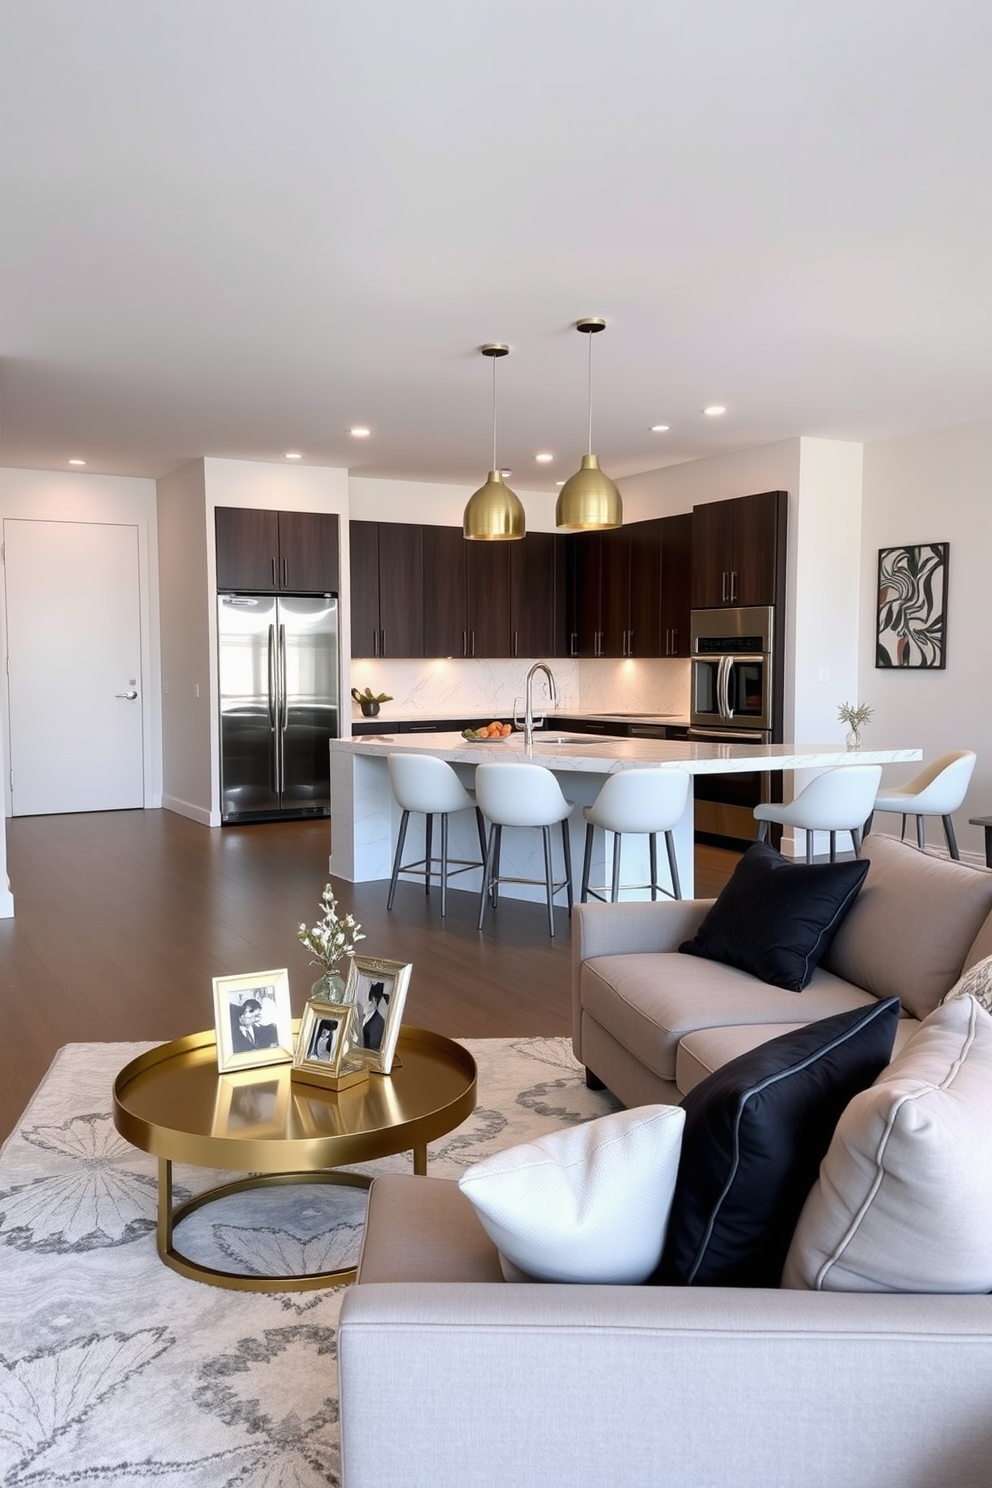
pixel 73 666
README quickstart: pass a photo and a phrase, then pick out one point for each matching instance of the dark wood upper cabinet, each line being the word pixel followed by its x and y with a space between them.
pixel 276 552
pixel 738 551
pixel 308 553
pixel 537 595
pixel 387 589
pixel 676 584
pixel 445 609
pixel 488 596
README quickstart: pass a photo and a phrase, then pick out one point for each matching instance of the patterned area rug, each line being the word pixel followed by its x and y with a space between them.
pixel 116 1371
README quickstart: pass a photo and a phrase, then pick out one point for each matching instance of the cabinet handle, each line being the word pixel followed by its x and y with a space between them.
pixel 515 649
pixel 382 641
pixel 285 573
pixel 375 642
pixel 464 642
pixel 273 562
pixel 733 585
pixel 630 643
pixel 472 634
pixel 573 643
pixel 598 647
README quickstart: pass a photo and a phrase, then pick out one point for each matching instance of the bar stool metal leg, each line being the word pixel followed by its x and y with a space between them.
pixel 401 839
pixel 444 863
pixel 487 874
pixel 952 842
pixel 615 885
pixel 653 859
pixel 428 849
pixel 673 865
pixel 587 863
pixel 921 839
pixel 567 850
pixel 549 878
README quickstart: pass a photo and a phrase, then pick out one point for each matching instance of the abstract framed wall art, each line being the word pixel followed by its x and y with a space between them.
pixel 912 607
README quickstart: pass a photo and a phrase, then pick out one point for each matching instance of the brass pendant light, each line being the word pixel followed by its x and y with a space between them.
pixel 494 513
pixel 589 500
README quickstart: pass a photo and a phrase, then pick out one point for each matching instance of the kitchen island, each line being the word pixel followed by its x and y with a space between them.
pixel 365 818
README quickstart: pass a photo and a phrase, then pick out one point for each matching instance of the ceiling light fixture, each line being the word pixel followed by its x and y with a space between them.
pixel 293 455
pixel 589 499
pixel 77 462
pixel 359 432
pixel 494 513
pixel 714 410
pixel 544 459
pixel 660 428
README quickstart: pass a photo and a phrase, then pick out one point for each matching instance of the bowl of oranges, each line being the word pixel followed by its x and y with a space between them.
pixel 491 733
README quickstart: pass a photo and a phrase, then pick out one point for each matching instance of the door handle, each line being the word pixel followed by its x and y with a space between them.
pixel 130 695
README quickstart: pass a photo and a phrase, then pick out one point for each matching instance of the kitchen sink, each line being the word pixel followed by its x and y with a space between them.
pixel 571 738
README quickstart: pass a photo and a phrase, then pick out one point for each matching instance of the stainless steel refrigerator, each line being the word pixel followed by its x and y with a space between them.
pixel 279 704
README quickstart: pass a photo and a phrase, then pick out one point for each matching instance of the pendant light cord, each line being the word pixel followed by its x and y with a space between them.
pixel 589 391
pixel 494 361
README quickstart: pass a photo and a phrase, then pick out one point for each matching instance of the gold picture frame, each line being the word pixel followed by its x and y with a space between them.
pixel 253 1020
pixel 327 1051
pixel 378 988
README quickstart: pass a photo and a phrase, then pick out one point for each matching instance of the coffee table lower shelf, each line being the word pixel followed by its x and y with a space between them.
pixel 169 1217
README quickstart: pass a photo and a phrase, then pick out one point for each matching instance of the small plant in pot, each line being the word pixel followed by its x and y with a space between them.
pixel 369 701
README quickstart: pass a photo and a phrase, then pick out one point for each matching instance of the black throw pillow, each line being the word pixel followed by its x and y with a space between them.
pixel 776 919
pixel 755 1134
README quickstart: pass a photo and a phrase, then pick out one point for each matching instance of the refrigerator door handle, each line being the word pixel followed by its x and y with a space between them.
pixel 283 714
pixel 272 679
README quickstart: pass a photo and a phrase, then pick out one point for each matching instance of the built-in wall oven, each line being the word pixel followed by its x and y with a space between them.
pixel 733 700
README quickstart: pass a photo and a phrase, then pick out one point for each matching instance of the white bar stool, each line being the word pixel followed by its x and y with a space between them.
pixel 645 802
pixel 937 791
pixel 512 795
pixel 420 782
pixel 839 800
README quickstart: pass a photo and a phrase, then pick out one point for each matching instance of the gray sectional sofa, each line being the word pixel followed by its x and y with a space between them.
pixel 453 1378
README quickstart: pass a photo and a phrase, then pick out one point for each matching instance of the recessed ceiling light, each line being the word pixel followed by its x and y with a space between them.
pixel 77 462
pixel 714 410
pixel 544 459
pixel 359 432
pixel 659 428
pixel 293 455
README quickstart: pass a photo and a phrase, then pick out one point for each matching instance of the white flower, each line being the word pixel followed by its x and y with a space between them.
pixel 332 937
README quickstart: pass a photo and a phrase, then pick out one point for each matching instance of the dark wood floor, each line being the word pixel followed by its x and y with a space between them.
pixel 122 919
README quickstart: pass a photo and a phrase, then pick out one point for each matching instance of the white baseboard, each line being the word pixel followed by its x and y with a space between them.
pixel 186 808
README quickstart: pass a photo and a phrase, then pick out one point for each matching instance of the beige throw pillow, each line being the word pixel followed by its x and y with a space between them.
pixel 904 1198
pixel 977 983
pixel 910 929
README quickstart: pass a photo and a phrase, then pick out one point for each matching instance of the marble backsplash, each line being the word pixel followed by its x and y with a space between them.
pixel 443 687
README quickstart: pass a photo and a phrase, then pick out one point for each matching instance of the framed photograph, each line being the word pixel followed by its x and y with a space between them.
pixel 253 1020
pixel 912 607
pixel 379 989
pixel 326 1048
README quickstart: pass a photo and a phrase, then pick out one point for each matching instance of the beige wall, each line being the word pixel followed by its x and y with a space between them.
pixel 923 488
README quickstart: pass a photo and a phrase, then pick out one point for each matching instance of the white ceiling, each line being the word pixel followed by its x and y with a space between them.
pixel 238 227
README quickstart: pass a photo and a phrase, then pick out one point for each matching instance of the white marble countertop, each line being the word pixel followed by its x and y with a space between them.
pixel 595 715
pixel 599 755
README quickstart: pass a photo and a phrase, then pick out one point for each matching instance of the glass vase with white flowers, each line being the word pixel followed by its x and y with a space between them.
pixel 332 937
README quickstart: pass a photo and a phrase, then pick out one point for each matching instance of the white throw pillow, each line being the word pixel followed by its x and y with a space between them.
pixel 588 1203
pixel 904 1198
pixel 975 982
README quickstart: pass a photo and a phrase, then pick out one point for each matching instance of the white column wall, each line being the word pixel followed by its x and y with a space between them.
pixel 186 693
pixel 924 488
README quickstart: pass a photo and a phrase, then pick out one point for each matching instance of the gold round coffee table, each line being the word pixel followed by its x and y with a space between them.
pixel 173 1103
